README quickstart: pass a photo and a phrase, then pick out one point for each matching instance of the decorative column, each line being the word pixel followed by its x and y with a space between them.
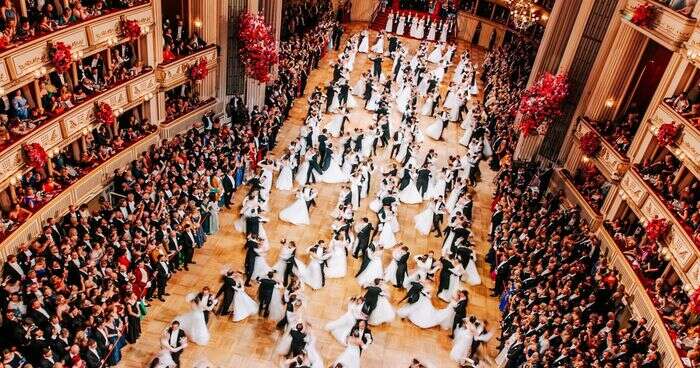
pixel 617 72
pixel 204 16
pixel 154 40
pixel 574 159
pixel 272 11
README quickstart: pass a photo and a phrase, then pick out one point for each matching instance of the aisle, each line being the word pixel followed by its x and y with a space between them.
pixel 251 343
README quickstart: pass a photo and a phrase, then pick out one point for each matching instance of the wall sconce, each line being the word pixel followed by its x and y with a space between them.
pixel 545 17
pixel 146 29
pixel 610 102
pixel 623 196
pixel 2 91
pixel 585 159
pixel 18 176
pixel 85 131
pixel 197 23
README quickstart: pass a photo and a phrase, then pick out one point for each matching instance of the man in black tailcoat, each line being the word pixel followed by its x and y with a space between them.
pixel 371 297
pixel 228 291
pixel 265 289
pixel 364 235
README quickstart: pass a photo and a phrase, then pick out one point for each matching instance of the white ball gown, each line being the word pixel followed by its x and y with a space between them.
pixel 384 312
pixel 193 323
pixel 350 357
pixel 435 129
pixel 432 32
pixel 410 194
pixel 423 314
pixel 297 213
pixel 424 220
pixel 390 272
pixel 386 236
pixel 389 23
pixel 334 174
pixel 400 27
pixel 462 344
pixel 312 276
pixel 243 305
pixel 364 44
pixel 261 268
pixel 337 264
pixel 374 270
pixel 277 309
pixel 471 273
pixel 436 55
pixel 341 327
pixel 455 275
pixel 378 47
pixel 285 180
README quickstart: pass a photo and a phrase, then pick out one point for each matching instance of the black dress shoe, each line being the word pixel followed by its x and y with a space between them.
pixel 166 294
pixel 161 299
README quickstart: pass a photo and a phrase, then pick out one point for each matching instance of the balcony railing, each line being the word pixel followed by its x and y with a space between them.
pixel 688 143
pixel 79 192
pixel 641 302
pixel 18 64
pixel 610 161
pixel 63 129
pixel 592 216
pixel 176 72
pixel 183 122
pixel 669 28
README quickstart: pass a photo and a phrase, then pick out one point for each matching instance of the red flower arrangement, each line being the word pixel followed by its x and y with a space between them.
pixel 527 126
pixel 695 302
pixel 541 102
pixel 198 70
pixel 258 50
pixel 35 155
pixel 105 114
pixel 668 133
pixel 60 56
pixel 643 14
pixel 657 228
pixel 589 170
pixel 590 144
pixel 131 29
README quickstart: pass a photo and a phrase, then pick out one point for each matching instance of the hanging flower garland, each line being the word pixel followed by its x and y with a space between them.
pixel 643 14
pixel 590 144
pixel 258 50
pixel 657 228
pixel 541 102
pixel 60 56
pixel 667 134
pixel 35 155
pixel 105 114
pixel 131 28
pixel 199 70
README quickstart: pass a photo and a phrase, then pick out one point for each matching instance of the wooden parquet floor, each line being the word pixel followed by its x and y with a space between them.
pixel 251 343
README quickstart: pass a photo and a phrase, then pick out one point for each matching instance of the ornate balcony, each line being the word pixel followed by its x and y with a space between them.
pixel 644 201
pixel 593 217
pixel 669 28
pixel 182 123
pixel 67 127
pixel 80 192
pixel 640 303
pixel 18 65
pixel 609 161
pixel 176 72
pixel 687 146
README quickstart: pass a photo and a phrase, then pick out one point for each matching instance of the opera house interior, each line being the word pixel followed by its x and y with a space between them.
pixel 349 183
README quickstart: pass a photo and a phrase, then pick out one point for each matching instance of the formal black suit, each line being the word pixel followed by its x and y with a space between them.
pixel 229 292
pixel 265 290
pixel 371 298
pixel 363 238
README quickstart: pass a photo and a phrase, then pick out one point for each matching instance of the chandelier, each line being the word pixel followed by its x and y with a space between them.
pixel 523 13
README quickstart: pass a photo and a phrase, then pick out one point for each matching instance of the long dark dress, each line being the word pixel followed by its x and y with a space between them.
pixel 133 323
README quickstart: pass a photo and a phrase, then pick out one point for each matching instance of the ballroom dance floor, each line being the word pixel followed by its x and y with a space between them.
pixel 251 343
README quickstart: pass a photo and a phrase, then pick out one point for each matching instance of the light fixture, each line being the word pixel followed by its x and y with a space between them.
pixel 145 29
pixel 623 196
pixel 610 102
pixel 586 159
pixel 523 13
pixel 19 176
pixel 667 257
pixel 13 181
pixel 197 23
pixel 545 17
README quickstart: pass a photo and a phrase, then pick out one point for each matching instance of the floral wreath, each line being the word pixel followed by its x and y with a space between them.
pixel 105 114
pixel 35 155
pixel 668 133
pixel 590 144
pixel 199 70
pixel 258 50
pixel 60 56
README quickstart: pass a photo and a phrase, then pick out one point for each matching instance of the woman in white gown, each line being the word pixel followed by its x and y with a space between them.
pixel 378 47
pixel 390 272
pixel 286 251
pixel 455 274
pixel 384 311
pixel 334 174
pixel 261 267
pixel 435 129
pixel 297 213
pixel 436 55
pixel 424 220
pixel 432 31
pixel 337 264
pixel 389 23
pixel 350 358
pixel 373 103
pixel 428 107
pixel 341 327
pixel 420 29
pixel 410 194
pixel 359 88
pixel 402 24
pixel 463 339
pixel 374 270
pixel 386 236
pixel 193 323
pixel 243 305
pixel 335 127
pixel 364 44
pixel 285 180
pixel 313 275
pixel 422 313
pixel 471 273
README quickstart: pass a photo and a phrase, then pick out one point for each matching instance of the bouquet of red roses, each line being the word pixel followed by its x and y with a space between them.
pixel 131 29
pixel 657 228
pixel 60 56
pixel 35 155
pixel 258 50
pixel 541 101
pixel 668 133
pixel 105 114
pixel 590 144
pixel 199 70
pixel 643 14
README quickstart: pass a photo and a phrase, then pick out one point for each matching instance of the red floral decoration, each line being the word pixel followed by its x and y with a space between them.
pixel 35 155
pixel 657 228
pixel 668 133
pixel 643 14
pixel 199 71
pixel 105 114
pixel 4 42
pixel 590 144
pixel 541 102
pixel 258 50
pixel 695 302
pixel 131 29
pixel 589 170
pixel 60 56
pixel 527 126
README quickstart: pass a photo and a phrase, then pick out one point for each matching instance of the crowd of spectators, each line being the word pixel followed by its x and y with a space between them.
pixel 592 185
pixel 619 133
pixel 562 304
pixel 688 104
pixel 684 7
pixel 44 17
pixel 681 197
pixel 299 17
pixel 177 41
pixel 75 295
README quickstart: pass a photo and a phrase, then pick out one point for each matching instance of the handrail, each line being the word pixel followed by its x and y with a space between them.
pixel 604 140
pixel 686 123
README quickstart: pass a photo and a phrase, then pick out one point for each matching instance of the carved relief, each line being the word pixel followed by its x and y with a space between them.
pixel 10 163
pixel 141 87
pixel 4 75
pixel 694 274
pixel 116 99
pixel 682 251
pixel 633 188
pixel 77 39
pixel 652 208
pixel 27 60
pixel 79 119
pixel 49 137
